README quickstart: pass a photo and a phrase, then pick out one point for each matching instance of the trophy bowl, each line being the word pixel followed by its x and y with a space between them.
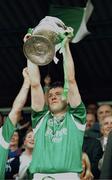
pixel 39 48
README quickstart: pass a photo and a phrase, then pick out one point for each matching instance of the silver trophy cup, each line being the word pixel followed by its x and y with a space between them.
pixel 40 47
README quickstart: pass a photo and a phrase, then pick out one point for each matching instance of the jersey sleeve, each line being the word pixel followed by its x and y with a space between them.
pixel 78 113
pixel 7 130
pixel 37 116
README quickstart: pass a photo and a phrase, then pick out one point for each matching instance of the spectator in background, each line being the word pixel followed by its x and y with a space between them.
pixel 105 128
pixel 8 128
pixel 91 145
pixel 106 169
pixel 103 111
pixel 47 82
pixel 92 108
pixel 26 156
pixel 90 120
pixel 12 164
pixel 92 126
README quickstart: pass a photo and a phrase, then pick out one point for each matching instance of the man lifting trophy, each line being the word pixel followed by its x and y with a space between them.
pixel 59 127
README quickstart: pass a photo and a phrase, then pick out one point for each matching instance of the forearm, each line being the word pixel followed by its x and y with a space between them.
pixel 19 102
pixel 34 73
pixel 74 98
pixel 37 94
pixel 69 64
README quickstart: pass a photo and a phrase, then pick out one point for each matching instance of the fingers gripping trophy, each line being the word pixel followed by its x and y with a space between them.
pixel 45 39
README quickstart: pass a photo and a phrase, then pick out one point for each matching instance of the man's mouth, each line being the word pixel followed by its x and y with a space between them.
pixel 53 102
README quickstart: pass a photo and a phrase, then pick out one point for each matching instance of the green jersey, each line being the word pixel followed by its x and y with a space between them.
pixel 6 132
pixel 58 141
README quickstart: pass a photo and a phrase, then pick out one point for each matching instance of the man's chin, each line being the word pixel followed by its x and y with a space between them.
pixel 54 109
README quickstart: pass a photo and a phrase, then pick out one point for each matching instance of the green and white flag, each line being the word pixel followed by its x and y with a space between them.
pixel 75 17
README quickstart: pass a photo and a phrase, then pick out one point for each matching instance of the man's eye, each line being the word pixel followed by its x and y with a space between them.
pixel 49 95
pixel 58 94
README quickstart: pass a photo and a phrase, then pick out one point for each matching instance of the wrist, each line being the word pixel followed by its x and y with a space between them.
pixel 26 83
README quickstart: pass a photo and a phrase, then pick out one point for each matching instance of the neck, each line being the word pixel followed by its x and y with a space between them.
pixel 28 151
pixel 59 114
pixel 13 148
pixel 105 136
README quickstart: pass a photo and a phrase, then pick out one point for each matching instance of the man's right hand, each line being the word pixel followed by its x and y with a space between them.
pixel 26 75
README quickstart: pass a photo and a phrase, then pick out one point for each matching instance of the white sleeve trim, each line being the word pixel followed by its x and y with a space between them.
pixel 39 124
pixel 79 125
pixel 3 143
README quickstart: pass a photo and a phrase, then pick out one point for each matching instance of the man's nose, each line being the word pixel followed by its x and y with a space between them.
pixel 104 115
pixel 53 97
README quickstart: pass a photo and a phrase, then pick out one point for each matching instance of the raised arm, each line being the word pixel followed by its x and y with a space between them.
pixel 20 100
pixel 37 94
pixel 73 93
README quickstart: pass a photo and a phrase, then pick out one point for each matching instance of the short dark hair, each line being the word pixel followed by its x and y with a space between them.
pixel 56 84
pixel 27 132
pixel 19 135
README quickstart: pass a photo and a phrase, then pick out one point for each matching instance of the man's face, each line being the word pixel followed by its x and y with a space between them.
pixel 104 111
pixel 29 140
pixel 15 139
pixel 55 102
pixel 90 120
pixel 106 125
